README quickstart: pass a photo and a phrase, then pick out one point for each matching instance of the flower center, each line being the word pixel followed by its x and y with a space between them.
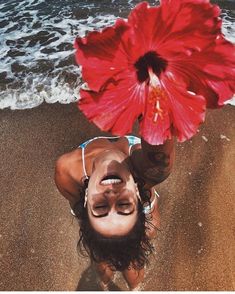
pixel 149 60
pixel 149 68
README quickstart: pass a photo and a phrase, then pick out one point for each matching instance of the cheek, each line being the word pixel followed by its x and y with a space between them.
pixel 131 186
pixel 92 182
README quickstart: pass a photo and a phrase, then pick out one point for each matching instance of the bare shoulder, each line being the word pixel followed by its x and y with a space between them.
pixel 68 175
pixel 68 162
pixel 68 169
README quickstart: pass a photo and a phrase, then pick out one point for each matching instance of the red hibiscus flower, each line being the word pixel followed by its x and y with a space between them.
pixel 165 64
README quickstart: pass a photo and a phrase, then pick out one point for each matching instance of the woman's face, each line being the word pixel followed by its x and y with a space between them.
pixel 112 201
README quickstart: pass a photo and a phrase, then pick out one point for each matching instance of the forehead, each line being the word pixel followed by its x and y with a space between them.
pixel 113 224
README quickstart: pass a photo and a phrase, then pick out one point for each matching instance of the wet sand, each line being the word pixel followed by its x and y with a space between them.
pixel 195 249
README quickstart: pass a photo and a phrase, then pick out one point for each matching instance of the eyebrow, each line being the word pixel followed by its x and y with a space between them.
pixel 105 214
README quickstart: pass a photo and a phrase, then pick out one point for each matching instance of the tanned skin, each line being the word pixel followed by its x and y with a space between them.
pixel 151 163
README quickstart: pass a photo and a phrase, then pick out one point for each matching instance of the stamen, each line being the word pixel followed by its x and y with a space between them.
pixel 155 117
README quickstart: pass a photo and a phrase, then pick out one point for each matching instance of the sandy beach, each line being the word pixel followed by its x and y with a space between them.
pixel 195 249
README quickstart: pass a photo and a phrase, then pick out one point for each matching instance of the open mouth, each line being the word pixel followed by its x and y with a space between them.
pixel 111 180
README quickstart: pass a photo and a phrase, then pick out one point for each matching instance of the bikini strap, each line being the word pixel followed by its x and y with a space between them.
pixel 83 163
pixel 132 140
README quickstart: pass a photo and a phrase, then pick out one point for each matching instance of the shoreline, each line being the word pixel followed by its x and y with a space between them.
pixel 194 250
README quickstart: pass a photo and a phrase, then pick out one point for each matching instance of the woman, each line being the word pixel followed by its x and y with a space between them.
pixel 109 184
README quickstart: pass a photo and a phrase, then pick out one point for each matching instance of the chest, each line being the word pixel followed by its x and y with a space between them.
pixel 85 155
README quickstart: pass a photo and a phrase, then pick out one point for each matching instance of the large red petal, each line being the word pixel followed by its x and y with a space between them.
pixel 210 73
pixel 117 107
pixel 100 54
pixel 173 29
pixel 188 110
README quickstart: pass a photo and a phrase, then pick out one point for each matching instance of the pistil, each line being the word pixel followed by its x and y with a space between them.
pixel 156 96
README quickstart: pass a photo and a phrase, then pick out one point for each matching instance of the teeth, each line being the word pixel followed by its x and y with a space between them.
pixel 111 181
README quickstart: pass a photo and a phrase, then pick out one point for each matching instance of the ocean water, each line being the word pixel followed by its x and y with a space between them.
pixel 36 45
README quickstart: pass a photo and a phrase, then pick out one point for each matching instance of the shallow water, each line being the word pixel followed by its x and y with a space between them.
pixel 36 45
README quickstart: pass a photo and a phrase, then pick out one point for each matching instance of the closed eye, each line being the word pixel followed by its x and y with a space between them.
pixel 125 213
pixel 100 215
pixel 119 212
pixel 100 210
pixel 124 205
pixel 100 206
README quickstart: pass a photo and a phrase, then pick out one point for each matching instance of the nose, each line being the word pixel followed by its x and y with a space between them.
pixel 110 192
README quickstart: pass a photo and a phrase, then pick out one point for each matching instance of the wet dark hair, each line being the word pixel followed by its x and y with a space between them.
pixel 120 253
